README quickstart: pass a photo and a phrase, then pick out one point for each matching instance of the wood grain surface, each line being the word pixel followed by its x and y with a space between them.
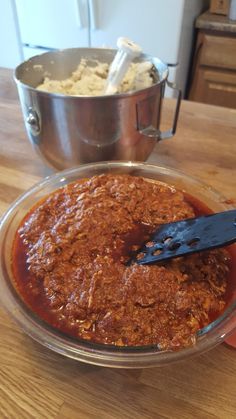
pixel 37 383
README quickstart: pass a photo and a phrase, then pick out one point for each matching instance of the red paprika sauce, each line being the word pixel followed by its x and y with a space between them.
pixel 69 263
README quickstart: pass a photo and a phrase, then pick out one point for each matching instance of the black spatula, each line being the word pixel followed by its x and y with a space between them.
pixel 188 236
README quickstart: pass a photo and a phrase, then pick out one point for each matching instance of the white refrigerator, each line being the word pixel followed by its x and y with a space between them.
pixel 164 28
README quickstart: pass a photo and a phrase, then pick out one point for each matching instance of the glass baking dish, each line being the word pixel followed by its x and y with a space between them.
pixel 106 355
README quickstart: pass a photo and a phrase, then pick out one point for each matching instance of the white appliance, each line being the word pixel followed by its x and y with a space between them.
pixel 11 53
pixel 163 28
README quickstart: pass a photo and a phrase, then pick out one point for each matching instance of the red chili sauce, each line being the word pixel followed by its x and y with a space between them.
pixel 69 263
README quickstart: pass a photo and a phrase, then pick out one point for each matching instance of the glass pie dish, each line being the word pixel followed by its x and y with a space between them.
pixel 94 353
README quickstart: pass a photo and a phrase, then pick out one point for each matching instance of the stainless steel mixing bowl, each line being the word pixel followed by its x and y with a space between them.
pixel 70 130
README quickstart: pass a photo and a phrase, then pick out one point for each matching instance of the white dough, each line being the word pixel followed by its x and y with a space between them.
pixel 90 80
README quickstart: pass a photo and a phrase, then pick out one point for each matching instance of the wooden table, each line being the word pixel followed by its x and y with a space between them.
pixel 37 383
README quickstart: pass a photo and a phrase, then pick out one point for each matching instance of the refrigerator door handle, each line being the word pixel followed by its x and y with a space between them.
pixel 93 14
pixel 78 15
pixel 153 132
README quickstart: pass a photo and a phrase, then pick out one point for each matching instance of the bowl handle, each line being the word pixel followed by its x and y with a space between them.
pixel 153 132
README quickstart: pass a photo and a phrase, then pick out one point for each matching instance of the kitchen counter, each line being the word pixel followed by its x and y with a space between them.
pixel 37 383
pixel 215 22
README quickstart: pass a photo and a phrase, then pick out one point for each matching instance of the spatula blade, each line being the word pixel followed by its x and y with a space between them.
pixel 189 236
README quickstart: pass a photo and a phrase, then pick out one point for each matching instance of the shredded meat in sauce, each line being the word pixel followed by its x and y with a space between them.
pixel 74 245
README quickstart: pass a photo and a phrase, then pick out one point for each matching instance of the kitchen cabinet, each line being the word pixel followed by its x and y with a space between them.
pixel 214 65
